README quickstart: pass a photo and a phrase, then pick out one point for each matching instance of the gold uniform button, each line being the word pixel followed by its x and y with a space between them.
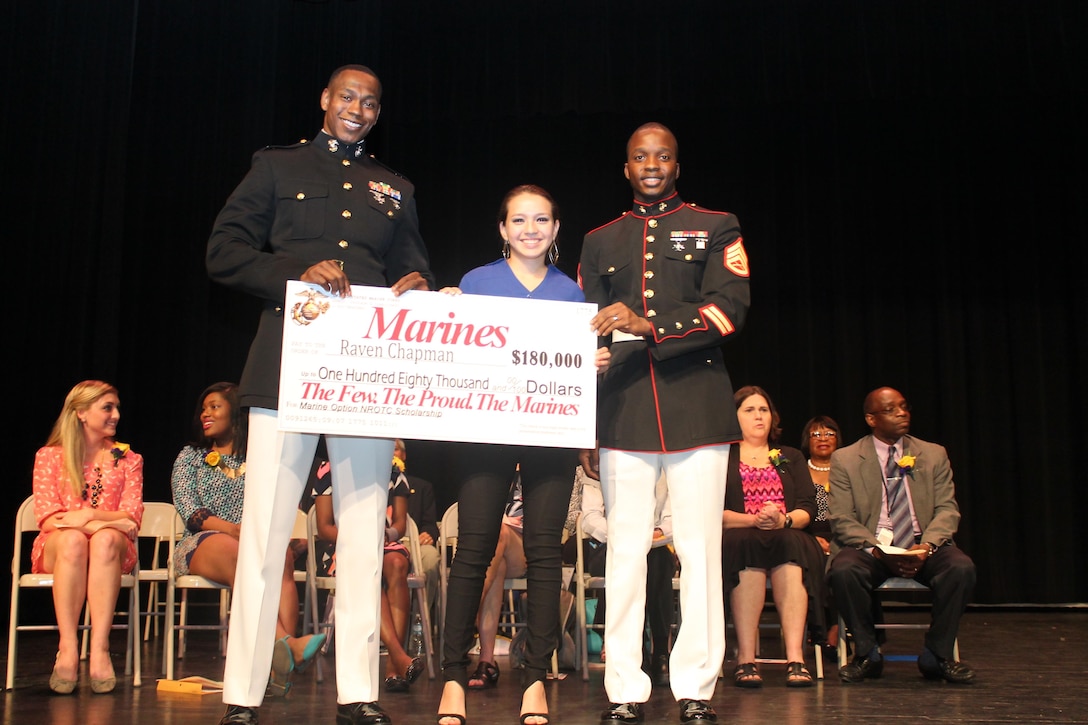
pixel 661 331
pixel 345 162
pixel 347 186
pixel 679 326
pixel 648 294
pixel 343 244
pixel 687 257
pixel 346 214
pixel 648 274
pixel 389 213
pixel 650 239
pixel 649 256
pixel 611 270
pixel 300 196
pixel 653 224
pixel 695 320
pixel 651 313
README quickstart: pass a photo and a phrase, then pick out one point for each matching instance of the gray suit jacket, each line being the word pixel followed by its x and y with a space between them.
pixel 857 484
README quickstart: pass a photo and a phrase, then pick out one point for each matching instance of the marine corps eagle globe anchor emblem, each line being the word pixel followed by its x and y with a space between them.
pixel 303 313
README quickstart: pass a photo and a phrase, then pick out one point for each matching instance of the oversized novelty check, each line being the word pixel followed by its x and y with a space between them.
pixel 430 366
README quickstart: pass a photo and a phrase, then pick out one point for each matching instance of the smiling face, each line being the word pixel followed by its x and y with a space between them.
pixel 652 166
pixel 530 226
pixel 215 418
pixel 754 416
pixel 101 417
pixel 822 442
pixel 352 103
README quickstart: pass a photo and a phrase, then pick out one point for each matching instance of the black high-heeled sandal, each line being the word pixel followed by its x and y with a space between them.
pixel 530 681
pixel 487 672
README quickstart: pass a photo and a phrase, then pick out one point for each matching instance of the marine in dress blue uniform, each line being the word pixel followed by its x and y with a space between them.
pixel 324 212
pixel 671 283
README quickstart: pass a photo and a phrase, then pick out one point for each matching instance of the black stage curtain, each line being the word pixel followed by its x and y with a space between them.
pixel 911 166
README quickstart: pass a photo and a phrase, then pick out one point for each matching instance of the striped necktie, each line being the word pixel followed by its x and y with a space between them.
pixel 895 487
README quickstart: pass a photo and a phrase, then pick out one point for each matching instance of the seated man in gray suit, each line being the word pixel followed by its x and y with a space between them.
pixel 891 491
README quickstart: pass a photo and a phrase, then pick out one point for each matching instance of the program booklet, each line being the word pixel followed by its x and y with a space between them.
pixel 895 551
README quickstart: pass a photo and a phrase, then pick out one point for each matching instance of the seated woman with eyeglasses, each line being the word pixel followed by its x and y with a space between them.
pixel 769 503
pixel 819 439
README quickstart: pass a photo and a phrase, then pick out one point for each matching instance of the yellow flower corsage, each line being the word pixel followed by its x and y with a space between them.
pixel 398 463
pixel 215 460
pixel 776 457
pixel 906 463
pixel 118 452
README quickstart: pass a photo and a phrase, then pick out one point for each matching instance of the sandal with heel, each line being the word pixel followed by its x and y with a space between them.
pixel 797 675
pixel 488 675
pixel 523 720
pixel 747 675
pixel 442 716
pixel 461 719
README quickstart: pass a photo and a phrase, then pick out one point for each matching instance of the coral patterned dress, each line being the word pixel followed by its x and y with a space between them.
pixel 117 486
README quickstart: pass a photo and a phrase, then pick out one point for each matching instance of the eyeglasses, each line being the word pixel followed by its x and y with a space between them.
pixel 822 434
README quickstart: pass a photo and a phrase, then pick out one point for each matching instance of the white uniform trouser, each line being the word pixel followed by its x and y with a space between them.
pixel 696 481
pixel 277 468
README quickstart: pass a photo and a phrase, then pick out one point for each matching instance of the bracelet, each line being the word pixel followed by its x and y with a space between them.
pixel 196 521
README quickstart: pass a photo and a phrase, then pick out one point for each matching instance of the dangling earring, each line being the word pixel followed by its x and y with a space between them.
pixel 553 252
pixel 506 250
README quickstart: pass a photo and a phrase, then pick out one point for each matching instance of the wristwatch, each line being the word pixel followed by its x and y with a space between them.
pixel 789 522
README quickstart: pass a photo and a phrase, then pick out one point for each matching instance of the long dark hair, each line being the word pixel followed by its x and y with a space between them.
pixel 504 210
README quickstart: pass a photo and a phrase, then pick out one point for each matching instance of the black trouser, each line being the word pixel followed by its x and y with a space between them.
pixel 949 573
pixel 485 472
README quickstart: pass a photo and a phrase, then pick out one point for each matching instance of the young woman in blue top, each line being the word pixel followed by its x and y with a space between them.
pixel 529 226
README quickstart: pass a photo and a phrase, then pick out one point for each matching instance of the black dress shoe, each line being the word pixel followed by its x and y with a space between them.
pixel 862 668
pixel 361 713
pixel 622 712
pixel 938 668
pixel 691 710
pixel 239 715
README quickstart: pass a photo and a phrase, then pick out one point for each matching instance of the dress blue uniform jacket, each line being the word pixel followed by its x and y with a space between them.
pixel 297 206
pixel 684 268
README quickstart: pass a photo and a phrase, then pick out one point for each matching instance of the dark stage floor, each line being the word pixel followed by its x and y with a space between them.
pixel 1032 667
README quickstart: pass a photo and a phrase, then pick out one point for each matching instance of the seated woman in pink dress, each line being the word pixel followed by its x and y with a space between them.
pixel 769 503
pixel 88 501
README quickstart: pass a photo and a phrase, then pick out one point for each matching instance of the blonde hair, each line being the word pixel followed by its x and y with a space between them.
pixel 68 430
